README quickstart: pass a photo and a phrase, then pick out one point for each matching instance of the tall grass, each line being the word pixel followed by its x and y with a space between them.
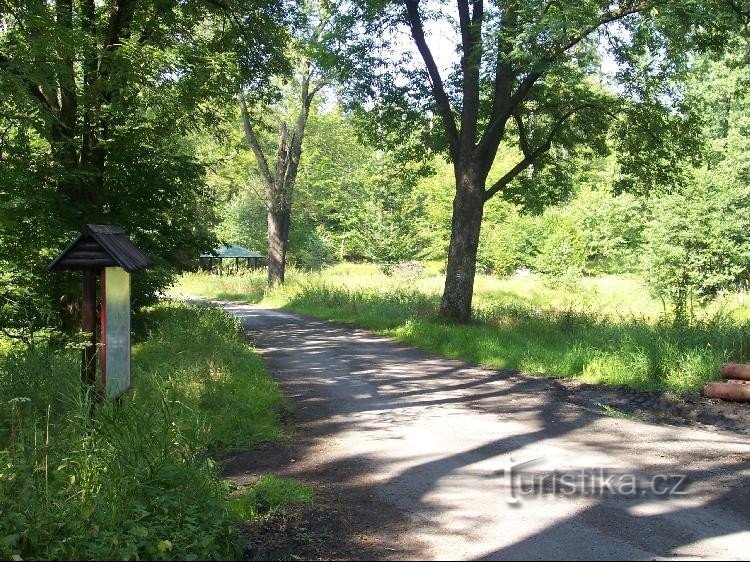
pixel 602 330
pixel 135 481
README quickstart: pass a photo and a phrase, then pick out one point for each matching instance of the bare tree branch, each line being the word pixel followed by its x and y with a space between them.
pixel 252 140
pixel 438 88
pixel 531 156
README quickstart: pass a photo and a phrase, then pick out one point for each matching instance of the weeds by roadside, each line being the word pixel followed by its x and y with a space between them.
pixel 581 335
pixel 134 482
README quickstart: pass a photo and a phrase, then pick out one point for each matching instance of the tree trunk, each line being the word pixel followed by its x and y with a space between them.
pixel 468 207
pixel 280 186
pixel 279 211
pixel 278 237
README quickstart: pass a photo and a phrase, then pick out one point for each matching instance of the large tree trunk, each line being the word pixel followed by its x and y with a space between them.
pixel 280 186
pixel 468 207
pixel 279 212
pixel 278 238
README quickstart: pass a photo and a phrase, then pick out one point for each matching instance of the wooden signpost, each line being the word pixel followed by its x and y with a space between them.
pixel 105 252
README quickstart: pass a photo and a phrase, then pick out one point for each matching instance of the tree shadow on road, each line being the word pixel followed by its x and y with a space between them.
pixel 345 381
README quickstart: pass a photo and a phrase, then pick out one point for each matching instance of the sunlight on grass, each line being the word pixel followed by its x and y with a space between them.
pixel 269 495
pixel 137 481
pixel 601 330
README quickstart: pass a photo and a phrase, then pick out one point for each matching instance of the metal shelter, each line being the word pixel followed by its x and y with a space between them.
pixel 216 258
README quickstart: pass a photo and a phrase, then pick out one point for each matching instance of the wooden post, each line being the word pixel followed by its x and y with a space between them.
pixel 88 324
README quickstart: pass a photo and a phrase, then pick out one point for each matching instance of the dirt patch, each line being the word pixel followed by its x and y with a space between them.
pixel 346 522
pixel 268 458
pixel 325 531
pixel 661 406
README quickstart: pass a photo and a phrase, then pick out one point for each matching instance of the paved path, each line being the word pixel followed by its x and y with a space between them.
pixel 427 437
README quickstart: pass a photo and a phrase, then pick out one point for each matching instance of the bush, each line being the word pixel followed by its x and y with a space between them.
pixel 610 227
pixel 312 248
pixel 507 240
pixel 699 243
pixel 562 252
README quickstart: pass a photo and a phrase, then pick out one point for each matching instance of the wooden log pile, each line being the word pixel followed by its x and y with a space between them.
pixel 736 387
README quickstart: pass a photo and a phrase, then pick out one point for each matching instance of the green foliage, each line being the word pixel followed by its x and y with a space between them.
pixel 699 243
pixel 243 221
pixel 362 206
pixel 365 201
pixel 507 239
pixel 594 232
pixel 96 106
pixel 571 108
pixel 562 252
pixel 134 482
pixel 610 228
pixel 311 246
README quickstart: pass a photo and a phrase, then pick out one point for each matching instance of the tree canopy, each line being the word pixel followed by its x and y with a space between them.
pixel 97 104
pixel 525 73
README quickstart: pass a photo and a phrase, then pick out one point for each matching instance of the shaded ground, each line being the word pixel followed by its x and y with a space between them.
pixel 660 406
pixel 407 450
pixel 347 521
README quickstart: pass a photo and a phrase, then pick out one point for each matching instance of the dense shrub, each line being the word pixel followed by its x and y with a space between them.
pixel 562 250
pixel 699 242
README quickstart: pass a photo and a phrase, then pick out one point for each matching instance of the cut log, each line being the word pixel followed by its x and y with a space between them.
pixel 727 391
pixel 736 371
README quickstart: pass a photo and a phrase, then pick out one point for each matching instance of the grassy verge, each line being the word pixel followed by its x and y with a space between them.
pixel 135 482
pixel 602 331
pixel 269 495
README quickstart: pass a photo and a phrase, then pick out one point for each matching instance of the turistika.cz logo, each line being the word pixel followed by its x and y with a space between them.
pixel 521 483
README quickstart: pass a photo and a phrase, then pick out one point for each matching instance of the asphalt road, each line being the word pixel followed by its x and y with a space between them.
pixel 430 440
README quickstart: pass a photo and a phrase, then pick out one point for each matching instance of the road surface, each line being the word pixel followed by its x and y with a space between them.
pixel 431 441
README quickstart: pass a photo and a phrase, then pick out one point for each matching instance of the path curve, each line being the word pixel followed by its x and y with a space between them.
pixel 426 440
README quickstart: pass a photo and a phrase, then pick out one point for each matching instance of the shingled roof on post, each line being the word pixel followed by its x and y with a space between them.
pixel 101 245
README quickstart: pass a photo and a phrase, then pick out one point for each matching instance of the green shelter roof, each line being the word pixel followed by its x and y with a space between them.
pixel 231 251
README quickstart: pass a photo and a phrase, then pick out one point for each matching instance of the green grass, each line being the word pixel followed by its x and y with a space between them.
pixel 606 330
pixel 135 482
pixel 271 494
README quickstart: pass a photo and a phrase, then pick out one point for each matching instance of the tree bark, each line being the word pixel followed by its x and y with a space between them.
pixel 280 186
pixel 278 238
pixel 468 208
pixel 279 214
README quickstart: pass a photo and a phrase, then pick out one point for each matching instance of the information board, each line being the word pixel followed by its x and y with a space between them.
pixel 115 331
